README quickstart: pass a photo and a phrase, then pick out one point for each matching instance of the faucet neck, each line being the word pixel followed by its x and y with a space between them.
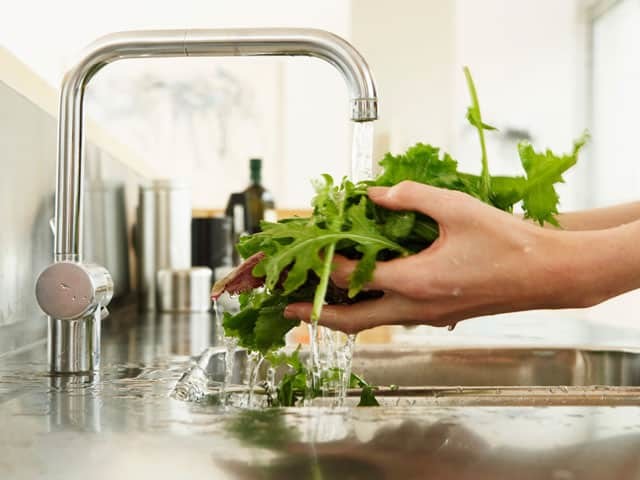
pixel 181 43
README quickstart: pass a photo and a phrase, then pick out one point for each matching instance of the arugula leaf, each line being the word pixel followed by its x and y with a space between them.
pixel 260 325
pixel 367 397
pixel 369 246
pixel 300 247
pixel 399 225
pixel 293 385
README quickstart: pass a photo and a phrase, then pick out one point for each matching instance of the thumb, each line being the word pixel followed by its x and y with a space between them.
pixel 438 203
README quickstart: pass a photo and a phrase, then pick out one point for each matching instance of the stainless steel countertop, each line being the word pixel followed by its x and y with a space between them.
pixel 123 424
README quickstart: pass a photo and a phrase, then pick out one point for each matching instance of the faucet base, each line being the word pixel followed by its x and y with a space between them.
pixel 74 345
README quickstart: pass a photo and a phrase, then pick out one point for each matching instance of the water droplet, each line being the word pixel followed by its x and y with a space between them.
pixel 456 292
pixel 451 327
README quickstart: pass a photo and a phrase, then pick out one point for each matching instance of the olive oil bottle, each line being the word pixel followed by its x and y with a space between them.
pixel 249 207
pixel 259 204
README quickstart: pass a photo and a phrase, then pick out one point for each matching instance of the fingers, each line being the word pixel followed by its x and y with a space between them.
pixel 390 275
pixel 438 203
pixel 388 310
pixel 342 269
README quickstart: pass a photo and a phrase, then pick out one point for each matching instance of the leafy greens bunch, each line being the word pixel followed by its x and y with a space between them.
pixel 299 251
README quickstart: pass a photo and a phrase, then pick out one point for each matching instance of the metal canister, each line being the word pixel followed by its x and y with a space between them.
pixel 211 244
pixel 184 290
pixel 163 234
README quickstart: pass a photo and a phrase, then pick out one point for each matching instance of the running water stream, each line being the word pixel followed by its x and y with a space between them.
pixel 332 351
pixel 362 152
pixel 230 344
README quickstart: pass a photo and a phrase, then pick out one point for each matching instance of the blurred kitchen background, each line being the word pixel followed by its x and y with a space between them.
pixel 545 71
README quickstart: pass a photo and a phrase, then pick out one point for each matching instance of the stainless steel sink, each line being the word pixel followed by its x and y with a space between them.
pixel 502 375
pixel 485 375
pixel 498 366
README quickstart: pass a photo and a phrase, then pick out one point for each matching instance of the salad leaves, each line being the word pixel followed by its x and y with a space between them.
pixel 299 251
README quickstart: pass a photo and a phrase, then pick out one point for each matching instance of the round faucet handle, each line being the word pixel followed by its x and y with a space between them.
pixel 69 290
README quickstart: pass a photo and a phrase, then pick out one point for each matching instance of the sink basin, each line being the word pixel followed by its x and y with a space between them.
pixel 498 366
pixel 484 375
pixel 502 375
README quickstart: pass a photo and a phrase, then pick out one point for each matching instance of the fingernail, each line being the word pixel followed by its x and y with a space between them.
pixel 377 192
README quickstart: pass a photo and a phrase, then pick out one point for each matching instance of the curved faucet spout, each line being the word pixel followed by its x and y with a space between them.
pixel 74 327
pixel 181 43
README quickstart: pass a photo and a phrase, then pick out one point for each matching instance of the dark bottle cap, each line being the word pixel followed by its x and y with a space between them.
pixel 255 164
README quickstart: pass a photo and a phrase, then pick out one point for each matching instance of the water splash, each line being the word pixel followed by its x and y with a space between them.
pixel 345 368
pixel 253 370
pixel 313 364
pixel 193 384
pixel 230 345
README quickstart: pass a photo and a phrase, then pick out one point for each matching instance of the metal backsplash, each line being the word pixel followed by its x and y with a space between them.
pixel 27 183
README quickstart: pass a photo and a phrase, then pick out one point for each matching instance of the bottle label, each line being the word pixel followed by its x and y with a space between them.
pixel 270 215
pixel 238 219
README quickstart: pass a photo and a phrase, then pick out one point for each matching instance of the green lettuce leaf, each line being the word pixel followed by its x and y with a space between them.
pixel 424 164
pixel 540 199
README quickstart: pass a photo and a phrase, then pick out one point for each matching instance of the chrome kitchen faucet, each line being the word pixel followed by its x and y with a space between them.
pixel 75 295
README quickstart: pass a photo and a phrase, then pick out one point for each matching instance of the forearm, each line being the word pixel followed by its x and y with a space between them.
pixel 600 218
pixel 597 265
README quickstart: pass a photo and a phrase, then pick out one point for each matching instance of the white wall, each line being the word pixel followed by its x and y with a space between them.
pixel 527 60
pixel 410 45
pixel 616 76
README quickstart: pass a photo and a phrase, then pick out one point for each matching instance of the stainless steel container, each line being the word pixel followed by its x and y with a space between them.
pixel 163 234
pixel 184 290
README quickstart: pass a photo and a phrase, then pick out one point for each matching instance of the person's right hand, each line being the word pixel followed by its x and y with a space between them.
pixel 485 261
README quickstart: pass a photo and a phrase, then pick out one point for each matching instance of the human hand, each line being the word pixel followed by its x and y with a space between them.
pixel 485 261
